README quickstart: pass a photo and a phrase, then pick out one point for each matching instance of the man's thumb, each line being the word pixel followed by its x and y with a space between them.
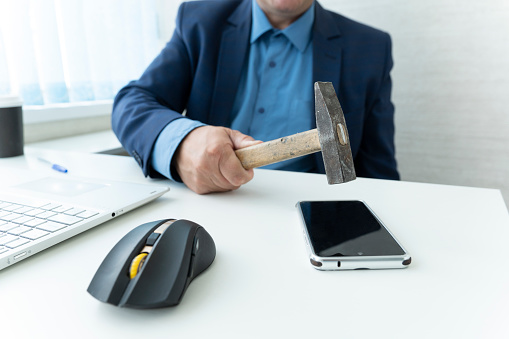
pixel 241 140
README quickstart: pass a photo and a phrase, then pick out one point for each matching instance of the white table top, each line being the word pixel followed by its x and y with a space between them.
pixel 261 284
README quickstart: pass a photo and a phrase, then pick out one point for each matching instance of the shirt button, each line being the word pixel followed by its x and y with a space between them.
pixel 261 110
pixel 272 64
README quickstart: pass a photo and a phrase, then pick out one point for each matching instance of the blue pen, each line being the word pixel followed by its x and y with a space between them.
pixel 56 167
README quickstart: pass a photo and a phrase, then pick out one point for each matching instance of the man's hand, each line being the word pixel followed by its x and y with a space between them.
pixel 206 161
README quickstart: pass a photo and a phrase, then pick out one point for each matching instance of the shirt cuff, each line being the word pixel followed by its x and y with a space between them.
pixel 168 141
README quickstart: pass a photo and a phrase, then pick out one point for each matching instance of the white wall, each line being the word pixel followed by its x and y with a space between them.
pixel 451 84
pixel 167 14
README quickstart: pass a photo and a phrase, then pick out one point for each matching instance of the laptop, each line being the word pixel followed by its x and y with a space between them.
pixel 40 210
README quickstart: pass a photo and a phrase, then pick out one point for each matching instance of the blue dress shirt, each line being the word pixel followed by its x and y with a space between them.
pixel 275 95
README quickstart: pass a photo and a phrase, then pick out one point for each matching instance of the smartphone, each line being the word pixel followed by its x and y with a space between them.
pixel 345 235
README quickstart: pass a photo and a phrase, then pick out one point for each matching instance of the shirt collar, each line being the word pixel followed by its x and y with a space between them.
pixel 299 32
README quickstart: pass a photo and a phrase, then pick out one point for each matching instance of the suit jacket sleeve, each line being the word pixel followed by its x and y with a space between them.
pixel 143 108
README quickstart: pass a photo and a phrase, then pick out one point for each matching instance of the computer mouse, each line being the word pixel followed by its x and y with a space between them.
pixel 152 265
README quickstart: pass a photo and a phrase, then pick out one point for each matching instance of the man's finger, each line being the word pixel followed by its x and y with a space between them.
pixel 232 170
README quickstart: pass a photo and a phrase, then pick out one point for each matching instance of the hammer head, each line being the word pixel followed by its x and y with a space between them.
pixel 333 135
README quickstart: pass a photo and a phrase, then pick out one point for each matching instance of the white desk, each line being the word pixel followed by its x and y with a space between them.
pixel 261 284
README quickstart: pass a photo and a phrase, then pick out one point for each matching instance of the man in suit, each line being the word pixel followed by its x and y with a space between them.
pixel 243 70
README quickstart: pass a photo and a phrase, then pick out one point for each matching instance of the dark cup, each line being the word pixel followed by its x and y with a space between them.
pixel 11 126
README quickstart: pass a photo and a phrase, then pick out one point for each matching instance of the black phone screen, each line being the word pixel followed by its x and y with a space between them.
pixel 346 228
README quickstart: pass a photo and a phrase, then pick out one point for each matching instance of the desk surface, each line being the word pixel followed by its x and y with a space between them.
pixel 261 284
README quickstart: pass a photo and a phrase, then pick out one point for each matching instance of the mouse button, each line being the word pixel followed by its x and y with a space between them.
pixel 163 278
pixel 204 252
pixel 151 240
pixel 110 280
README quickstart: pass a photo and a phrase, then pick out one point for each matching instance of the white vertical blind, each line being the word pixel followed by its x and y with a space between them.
pixel 59 51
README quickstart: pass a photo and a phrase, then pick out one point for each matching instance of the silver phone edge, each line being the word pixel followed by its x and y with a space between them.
pixel 353 263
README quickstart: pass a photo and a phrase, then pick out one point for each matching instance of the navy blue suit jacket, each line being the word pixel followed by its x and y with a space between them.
pixel 199 70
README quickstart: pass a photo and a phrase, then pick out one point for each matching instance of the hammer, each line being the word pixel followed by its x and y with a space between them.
pixel 330 137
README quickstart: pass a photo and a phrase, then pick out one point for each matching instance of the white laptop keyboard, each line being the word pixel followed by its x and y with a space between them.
pixel 23 221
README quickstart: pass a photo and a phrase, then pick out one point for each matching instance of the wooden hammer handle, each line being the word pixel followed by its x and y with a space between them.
pixel 277 150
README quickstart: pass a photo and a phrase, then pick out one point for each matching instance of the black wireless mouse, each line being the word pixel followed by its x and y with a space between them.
pixel 151 266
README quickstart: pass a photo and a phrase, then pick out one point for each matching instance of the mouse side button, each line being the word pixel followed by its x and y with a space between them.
pixel 204 253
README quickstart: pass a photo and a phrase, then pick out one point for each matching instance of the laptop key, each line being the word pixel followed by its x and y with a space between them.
pixel 17 243
pixel 4 204
pixel 87 214
pixel 11 216
pixel 25 201
pixel 46 215
pixel 3 249
pixel 65 219
pixel 24 209
pixel 50 206
pixel 49 226
pixel 7 238
pixel 35 234
pixel 12 207
pixel 4 213
pixel 23 219
pixel 74 211
pixel 62 208
pixel 19 230
pixel 34 222
pixel 8 226
pixel 34 212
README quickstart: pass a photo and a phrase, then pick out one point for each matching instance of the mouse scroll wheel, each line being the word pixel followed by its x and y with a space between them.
pixel 139 260
pixel 137 264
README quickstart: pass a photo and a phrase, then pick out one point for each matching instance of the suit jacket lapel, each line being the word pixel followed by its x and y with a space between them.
pixel 326 48
pixel 232 54
pixel 326 57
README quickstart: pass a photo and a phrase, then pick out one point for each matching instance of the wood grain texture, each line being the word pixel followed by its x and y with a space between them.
pixel 281 149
